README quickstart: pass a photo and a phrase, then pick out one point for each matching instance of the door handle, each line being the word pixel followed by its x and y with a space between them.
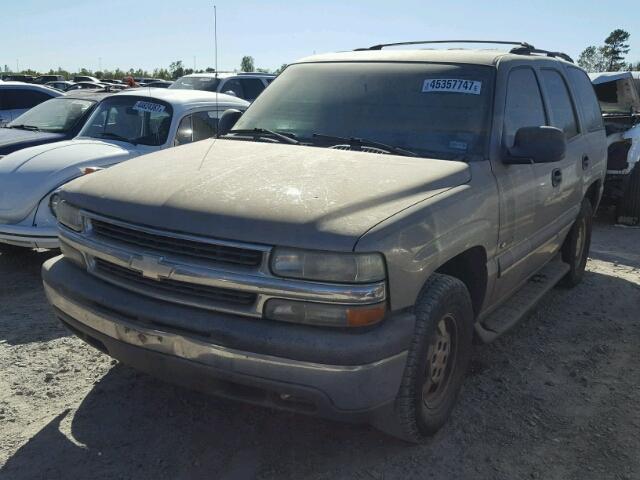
pixel 585 162
pixel 556 177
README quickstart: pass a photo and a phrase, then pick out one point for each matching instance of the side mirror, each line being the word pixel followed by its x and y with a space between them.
pixel 537 145
pixel 227 120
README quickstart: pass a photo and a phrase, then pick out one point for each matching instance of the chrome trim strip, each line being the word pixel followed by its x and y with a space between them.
pixel 265 286
pixel 190 348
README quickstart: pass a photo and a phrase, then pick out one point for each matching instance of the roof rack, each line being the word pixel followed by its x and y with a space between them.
pixel 521 48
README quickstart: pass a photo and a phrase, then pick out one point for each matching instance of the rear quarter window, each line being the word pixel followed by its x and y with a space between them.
pixel 587 99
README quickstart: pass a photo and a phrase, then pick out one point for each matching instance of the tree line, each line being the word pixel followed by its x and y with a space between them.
pixel 608 57
pixel 175 70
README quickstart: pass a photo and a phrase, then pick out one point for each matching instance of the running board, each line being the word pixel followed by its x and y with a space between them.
pixel 507 315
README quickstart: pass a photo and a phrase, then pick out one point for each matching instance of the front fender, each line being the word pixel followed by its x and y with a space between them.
pixel 419 240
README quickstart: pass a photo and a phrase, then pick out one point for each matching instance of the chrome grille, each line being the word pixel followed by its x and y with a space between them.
pixel 126 277
pixel 173 244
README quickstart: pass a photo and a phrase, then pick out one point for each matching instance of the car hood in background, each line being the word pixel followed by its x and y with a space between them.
pixel 27 175
pixel 265 193
pixel 13 139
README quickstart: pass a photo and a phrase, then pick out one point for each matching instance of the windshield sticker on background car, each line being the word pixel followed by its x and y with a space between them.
pixel 454 85
pixel 148 107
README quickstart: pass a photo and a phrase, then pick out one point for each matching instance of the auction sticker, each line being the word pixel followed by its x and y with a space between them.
pixel 452 85
pixel 148 107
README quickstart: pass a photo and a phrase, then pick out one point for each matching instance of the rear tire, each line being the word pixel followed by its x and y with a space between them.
pixel 575 249
pixel 628 209
pixel 437 359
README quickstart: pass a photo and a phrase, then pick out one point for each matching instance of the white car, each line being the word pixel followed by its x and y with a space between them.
pixel 246 85
pixel 123 126
pixel 18 97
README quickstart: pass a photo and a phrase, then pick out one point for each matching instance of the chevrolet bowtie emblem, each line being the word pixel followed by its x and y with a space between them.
pixel 151 267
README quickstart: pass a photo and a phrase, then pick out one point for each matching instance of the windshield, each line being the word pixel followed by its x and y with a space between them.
pixel 55 115
pixel 196 83
pixel 432 110
pixel 136 120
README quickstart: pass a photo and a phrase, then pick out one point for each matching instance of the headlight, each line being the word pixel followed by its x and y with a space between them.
pixel 324 314
pixel 69 216
pixel 54 200
pixel 328 266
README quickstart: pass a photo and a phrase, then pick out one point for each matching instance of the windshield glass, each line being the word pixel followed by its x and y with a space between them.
pixel 433 110
pixel 55 115
pixel 196 83
pixel 136 120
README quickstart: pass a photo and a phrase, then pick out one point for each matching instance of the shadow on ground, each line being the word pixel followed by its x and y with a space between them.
pixel 25 315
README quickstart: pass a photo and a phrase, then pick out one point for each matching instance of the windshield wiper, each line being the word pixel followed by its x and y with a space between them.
pixel 363 142
pixel 115 136
pixel 32 128
pixel 261 131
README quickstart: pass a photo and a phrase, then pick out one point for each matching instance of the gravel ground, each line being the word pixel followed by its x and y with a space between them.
pixel 557 398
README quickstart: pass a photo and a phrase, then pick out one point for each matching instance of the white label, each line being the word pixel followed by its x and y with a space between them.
pixel 148 107
pixel 453 85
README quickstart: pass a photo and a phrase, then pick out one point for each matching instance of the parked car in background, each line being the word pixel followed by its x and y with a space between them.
pixel 243 85
pixel 111 81
pixel 85 78
pixel 144 81
pixel 18 97
pixel 62 85
pixel 43 79
pixel 86 85
pixel 18 78
pixel 619 97
pixel 60 118
pixel 159 84
pixel 334 250
pixel 123 126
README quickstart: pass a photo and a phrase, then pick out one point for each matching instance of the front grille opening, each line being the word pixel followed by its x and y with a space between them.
pixel 178 246
pixel 173 287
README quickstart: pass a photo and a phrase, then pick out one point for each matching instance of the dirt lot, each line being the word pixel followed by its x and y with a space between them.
pixel 557 398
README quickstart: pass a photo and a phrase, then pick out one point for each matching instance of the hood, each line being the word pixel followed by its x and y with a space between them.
pixel 27 175
pixel 12 139
pixel 265 193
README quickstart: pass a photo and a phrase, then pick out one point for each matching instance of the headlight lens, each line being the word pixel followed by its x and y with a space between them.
pixel 54 200
pixel 69 216
pixel 324 314
pixel 328 266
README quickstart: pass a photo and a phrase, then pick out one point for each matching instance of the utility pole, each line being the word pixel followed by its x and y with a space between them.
pixel 99 64
pixel 17 66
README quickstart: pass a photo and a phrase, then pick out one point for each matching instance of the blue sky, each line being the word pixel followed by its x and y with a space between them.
pixel 42 34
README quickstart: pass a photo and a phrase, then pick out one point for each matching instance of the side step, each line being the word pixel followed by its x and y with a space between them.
pixel 507 315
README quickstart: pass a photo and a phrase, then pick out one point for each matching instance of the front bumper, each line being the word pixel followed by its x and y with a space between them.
pixel 262 375
pixel 29 236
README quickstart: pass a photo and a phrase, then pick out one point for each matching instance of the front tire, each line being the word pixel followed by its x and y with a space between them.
pixel 575 249
pixel 437 359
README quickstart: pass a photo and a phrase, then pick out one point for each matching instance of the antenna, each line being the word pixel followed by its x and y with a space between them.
pixel 215 60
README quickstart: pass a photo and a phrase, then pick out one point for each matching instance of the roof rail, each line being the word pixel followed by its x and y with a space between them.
pixel 521 48
pixel 421 42
pixel 255 73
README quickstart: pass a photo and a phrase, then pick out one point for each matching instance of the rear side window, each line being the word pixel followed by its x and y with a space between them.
pixel 234 86
pixel 23 99
pixel 524 107
pixel 562 112
pixel 252 88
pixel 587 98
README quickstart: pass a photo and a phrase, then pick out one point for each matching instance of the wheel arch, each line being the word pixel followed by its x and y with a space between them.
pixel 470 267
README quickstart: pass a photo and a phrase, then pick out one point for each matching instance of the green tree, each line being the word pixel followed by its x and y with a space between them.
pixel 176 69
pixel 278 71
pixel 247 64
pixel 592 59
pixel 615 48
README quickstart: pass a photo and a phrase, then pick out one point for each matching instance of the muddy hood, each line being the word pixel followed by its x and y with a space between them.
pixel 27 175
pixel 265 193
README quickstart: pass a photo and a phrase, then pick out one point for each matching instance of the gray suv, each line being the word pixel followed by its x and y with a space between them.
pixel 335 251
